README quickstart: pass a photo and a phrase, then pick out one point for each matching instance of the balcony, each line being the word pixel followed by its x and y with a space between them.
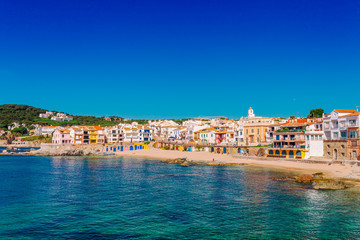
pixel 353 124
pixel 290 130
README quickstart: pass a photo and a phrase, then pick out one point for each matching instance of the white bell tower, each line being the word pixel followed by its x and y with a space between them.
pixel 251 113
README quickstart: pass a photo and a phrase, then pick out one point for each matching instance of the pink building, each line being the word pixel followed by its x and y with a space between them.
pixel 220 137
pixel 62 136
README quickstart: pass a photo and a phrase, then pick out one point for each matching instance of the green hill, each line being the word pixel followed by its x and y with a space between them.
pixel 10 113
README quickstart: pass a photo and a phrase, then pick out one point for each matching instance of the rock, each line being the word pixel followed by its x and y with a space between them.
pixel 305 178
pixel 285 179
pixel 175 160
pixel 318 175
pixel 185 164
pixel 330 185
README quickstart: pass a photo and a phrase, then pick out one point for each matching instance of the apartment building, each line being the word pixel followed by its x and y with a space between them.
pixel 341 131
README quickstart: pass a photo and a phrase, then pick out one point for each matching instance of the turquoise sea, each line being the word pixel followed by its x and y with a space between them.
pixel 128 198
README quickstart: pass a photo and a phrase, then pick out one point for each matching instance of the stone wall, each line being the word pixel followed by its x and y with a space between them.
pixel 336 150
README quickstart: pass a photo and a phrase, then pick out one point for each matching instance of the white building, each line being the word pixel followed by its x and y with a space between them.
pixel 207 136
pixel 114 134
pixel 45 130
pixel 337 124
pixel 314 141
pixel 62 117
pixel 46 115
pixel 239 135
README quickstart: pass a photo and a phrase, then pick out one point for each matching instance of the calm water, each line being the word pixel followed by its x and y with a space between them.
pixel 79 198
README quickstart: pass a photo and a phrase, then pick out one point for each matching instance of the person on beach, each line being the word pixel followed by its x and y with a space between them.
pixel 213 159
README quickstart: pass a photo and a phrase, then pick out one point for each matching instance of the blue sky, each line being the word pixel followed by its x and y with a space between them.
pixel 158 59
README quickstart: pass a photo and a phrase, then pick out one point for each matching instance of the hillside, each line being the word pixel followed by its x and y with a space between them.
pixel 10 113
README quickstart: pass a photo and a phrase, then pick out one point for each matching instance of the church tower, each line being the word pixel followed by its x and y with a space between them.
pixel 251 113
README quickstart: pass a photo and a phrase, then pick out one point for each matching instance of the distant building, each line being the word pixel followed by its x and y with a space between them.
pixel 45 130
pixel 46 115
pixel 62 117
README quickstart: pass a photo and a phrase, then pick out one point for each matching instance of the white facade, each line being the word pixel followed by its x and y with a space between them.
pixel 207 136
pixel 336 126
pixel 45 130
pixel 114 134
pixel 314 144
pixel 239 135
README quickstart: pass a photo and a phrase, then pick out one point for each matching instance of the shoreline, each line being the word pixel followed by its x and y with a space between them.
pixel 346 172
pixel 330 171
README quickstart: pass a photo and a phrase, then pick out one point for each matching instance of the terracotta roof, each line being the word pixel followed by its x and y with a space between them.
pixel 345 111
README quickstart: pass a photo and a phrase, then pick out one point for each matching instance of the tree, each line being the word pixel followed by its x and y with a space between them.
pixel 316 113
pixel 20 130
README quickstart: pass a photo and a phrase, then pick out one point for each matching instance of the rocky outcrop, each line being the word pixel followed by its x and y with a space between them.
pixel 185 163
pixel 318 181
pixel 305 178
pixel 175 160
pixel 330 184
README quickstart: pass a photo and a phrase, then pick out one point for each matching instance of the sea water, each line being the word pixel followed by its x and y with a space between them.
pixel 133 198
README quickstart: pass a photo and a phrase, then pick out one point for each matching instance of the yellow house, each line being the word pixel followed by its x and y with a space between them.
pixel 93 135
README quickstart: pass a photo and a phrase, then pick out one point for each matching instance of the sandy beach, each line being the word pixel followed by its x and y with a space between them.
pixel 334 170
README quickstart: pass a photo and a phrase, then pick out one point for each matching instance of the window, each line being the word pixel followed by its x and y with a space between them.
pixel 316 137
pixel 343 134
pixel 312 137
pixel 308 137
pixel 258 131
pixel 320 137
pixel 342 146
pixel 335 135
pixel 352 123
pixel 354 134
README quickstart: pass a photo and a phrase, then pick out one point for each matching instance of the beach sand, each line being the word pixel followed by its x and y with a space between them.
pixel 334 170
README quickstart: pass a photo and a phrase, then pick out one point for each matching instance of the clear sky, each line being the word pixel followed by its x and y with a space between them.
pixel 158 59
